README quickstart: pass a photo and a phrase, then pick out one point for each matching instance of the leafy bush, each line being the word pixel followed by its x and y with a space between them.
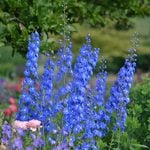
pixel 143 62
pixel 140 96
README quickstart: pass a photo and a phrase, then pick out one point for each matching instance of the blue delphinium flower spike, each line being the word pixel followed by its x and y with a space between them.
pixel 46 90
pixel 64 61
pixel 6 134
pixel 27 101
pixel 119 91
pixel 17 143
pixel 64 67
pixel 75 112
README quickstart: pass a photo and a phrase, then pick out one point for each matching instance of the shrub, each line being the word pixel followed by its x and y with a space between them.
pixel 140 96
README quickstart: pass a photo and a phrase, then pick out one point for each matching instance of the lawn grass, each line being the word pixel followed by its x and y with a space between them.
pixel 114 42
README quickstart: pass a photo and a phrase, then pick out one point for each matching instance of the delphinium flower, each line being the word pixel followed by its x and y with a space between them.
pixel 119 92
pixel 75 112
pixel 17 144
pixel 64 68
pixel 46 90
pixel 20 132
pixel 6 134
pixel 49 96
pixel 62 88
pixel 62 146
pixel 64 61
pixel 85 63
pixel 36 141
pixel 27 101
pixel 71 114
pixel 90 145
pixel 29 148
pixel 99 114
pixel 95 122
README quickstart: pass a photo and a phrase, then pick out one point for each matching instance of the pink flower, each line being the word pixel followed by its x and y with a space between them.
pixel 12 101
pixel 7 112
pixel 20 124
pixel 13 108
pixel 34 124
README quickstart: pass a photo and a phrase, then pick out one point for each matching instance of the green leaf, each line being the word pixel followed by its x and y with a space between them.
pixel 139 145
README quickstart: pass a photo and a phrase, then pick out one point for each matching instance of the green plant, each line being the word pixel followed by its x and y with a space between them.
pixel 140 96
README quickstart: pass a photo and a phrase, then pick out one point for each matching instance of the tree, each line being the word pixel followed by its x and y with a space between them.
pixel 20 17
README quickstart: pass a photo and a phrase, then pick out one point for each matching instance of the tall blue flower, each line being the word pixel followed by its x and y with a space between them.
pixel 64 68
pixel 17 144
pixel 64 61
pixel 84 65
pixel 99 116
pixel 119 92
pixel 46 90
pixel 95 122
pixel 37 141
pixel 6 134
pixel 62 146
pixel 28 99
pixel 75 111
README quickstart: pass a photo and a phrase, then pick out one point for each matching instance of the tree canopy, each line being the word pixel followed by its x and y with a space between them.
pixel 20 17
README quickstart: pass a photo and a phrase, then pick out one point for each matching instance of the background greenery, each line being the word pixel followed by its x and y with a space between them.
pixel 113 44
pixel 110 23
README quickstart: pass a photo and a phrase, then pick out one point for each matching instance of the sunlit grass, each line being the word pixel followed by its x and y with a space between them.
pixel 113 42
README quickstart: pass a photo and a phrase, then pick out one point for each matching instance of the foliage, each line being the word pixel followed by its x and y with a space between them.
pixel 10 66
pixel 18 18
pixel 141 103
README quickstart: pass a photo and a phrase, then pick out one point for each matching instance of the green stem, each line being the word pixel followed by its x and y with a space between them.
pixel 112 140
pixel 118 146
